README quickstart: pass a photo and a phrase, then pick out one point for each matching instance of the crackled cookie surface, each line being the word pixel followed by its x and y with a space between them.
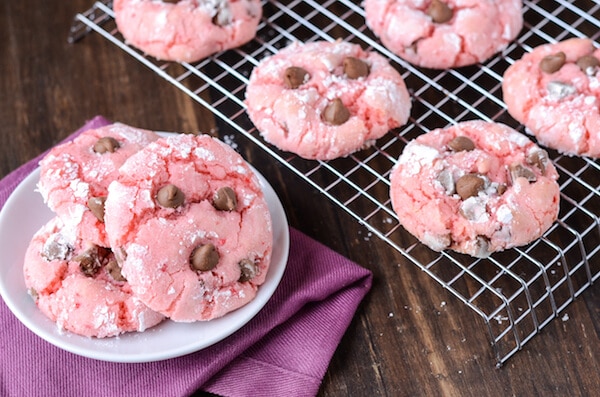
pixel 325 100
pixel 475 188
pixel 444 34
pixel 187 30
pixel 74 176
pixel 190 226
pixel 555 92
pixel 79 285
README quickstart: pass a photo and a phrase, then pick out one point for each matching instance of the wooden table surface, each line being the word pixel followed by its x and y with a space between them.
pixel 409 336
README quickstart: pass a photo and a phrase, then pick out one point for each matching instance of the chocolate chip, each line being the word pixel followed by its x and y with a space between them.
pixel 33 293
pixel 248 270
pixel 204 257
pixel 171 1
pixel 469 185
pixel 113 268
pixel 335 112
pixel 106 144
pixel 170 196
pixel 56 248
pixel 355 68
pixel 461 143
pixel 90 261
pixel 224 199
pixel 120 254
pixel 447 182
pixel 295 76
pixel 552 63
pixel 439 11
pixel 88 265
pixel 96 205
pixel 501 189
pixel 482 245
pixel 588 64
pixel 413 47
pixel 558 90
pixel 222 17
pixel 538 158
pixel 518 171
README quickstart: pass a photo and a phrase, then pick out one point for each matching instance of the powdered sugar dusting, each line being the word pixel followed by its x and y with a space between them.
pixel 436 242
pixel 474 209
pixel 416 156
pixel 576 130
pixel 504 214
pixel 204 154
pixel 80 189
pixel 105 320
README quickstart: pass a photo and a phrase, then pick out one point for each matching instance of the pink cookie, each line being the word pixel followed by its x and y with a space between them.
pixel 187 30
pixel 444 34
pixel 555 92
pixel 475 187
pixel 79 285
pixel 326 100
pixel 74 176
pixel 190 225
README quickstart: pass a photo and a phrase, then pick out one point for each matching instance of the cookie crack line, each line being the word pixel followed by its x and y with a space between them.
pixel 176 298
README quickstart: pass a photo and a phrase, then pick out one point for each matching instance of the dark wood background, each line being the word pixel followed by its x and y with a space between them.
pixel 409 337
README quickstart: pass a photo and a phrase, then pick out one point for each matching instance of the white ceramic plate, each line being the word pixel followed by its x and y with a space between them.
pixel 25 212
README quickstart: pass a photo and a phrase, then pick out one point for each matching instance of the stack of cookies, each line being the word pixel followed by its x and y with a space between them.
pixel 146 228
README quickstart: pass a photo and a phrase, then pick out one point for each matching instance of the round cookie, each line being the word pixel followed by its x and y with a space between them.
pixel 187 30
pixel 74 176
pixel 555 92
pixel 444 34
pixel 190 226
pixel 79 285
pixel 324 100
pixel 476 188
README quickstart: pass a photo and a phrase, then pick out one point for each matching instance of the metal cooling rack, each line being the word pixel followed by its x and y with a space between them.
pixel 516 292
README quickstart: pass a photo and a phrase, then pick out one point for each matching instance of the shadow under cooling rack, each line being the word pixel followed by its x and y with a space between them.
pixel 516 292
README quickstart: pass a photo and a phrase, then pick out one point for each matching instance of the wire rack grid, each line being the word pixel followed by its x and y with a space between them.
pixel 516 292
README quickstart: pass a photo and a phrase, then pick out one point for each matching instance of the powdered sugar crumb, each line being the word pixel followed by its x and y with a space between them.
pixel 229 140
pixel 499 318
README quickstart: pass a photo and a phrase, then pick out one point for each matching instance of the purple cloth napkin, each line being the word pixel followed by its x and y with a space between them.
pixel 283 351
